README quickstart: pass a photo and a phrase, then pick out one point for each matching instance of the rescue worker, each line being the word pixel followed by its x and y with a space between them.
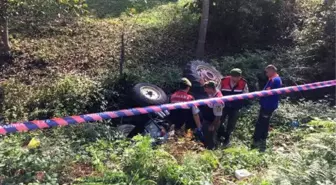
pixel 189 117
pixel 231 85
pixel 268 105
pixel 211 115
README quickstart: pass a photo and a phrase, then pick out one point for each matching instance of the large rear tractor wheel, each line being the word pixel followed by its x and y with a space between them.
pixel 199 72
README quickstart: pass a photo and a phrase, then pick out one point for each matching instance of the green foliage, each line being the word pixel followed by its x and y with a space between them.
pixel 106 8
pixel 45 10
pixel 244 24
pixel 66 96
pixel 307 111
pixel 142 160
pixel 139 163
pixel 104 155
pixel 60 152
pixel 241 158
pixel 312 163
pixel 21 165
pixel 56 49
pixel 329 125
pixel 316 37
pixel 195 169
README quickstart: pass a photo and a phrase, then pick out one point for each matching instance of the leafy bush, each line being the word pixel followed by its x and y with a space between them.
pixel 104 8
pixel 66 96
pixel 315 40
pixel 241 158
pixel 104 154
pixel 39 16
pixel 312 163
pixel 145 162
pixel 242 24
pixel 330 126
pixel 60 152
pixel 195 169
pixel 141 164
pixel 308 110
pixel 20 164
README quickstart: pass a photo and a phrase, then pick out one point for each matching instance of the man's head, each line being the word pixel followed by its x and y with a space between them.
pixel 210 87
pixel 185 84
pixel 270 70
pixel 236 74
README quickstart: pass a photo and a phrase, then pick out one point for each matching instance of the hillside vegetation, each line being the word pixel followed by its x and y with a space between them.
pixel 67 62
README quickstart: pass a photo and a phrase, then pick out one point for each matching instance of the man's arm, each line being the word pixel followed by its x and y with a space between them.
pixel 195 112
pixel 218 112
pixel 246 89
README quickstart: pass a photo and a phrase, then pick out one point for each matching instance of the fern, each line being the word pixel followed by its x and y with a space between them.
pixel 312 163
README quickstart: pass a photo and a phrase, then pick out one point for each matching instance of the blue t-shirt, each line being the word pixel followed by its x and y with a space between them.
pixel 271 102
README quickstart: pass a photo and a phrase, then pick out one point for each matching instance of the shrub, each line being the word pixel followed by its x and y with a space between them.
pixel 312 163
pixel 244 24
pixel 241 158
pixel 141 164
pixel 22 165
pixel 142 160
pixel 67 95
pixel 196 169
pixel 303 112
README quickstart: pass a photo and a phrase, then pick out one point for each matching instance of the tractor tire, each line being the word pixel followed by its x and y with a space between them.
pixel 199 72
pixel 146 94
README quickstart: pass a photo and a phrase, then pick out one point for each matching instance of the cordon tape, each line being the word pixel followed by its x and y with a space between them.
pixel 72 120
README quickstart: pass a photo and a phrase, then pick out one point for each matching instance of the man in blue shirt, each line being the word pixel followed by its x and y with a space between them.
pixel 268 105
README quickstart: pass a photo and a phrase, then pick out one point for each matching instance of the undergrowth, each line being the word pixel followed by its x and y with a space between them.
pixel 96 154
pixel 71 68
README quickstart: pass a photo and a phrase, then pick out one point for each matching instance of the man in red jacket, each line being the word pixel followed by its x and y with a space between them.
pixel 231 85
pixel 189 117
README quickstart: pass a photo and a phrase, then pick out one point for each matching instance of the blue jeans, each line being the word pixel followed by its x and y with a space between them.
pixel 262 125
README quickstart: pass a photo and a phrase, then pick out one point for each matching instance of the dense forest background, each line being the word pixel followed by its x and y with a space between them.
pixel 80 43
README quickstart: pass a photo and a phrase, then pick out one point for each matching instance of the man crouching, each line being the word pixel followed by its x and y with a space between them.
pixel 211 115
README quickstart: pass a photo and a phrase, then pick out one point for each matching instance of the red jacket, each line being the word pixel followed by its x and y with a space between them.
pixel 181 96
pixel 227 90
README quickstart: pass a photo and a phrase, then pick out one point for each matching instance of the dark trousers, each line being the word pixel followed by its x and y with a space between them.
pixel 210 137
pixel 262 125
pixel 180 117
pixel 227 128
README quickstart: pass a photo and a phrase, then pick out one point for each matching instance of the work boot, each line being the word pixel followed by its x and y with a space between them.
pixel 226 142
pixel 255 145
pixel 262 147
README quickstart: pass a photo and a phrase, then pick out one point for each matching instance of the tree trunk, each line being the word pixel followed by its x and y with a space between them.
pixel 122 54
pixel 203 29
pixel 4 25
pixel 4 35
